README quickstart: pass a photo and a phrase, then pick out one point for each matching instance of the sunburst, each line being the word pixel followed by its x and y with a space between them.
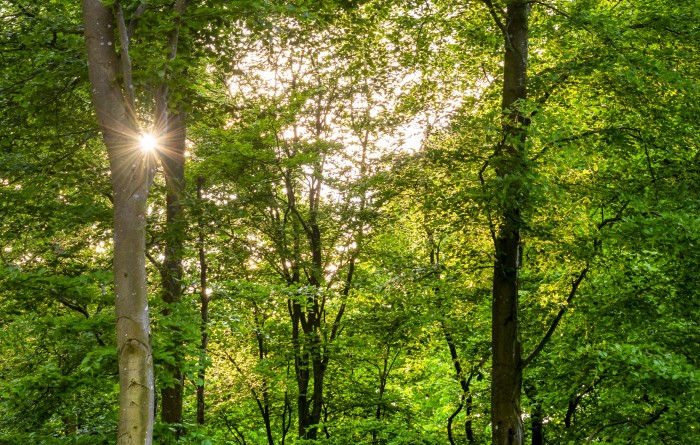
pixel 148 143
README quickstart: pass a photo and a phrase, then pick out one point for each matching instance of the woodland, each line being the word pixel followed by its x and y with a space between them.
pixel 381 222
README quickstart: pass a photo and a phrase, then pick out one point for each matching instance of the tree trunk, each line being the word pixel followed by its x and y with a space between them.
pixel 133 329
pixel 506 374
pixel 172 157
pixel 301 366
pixel 468 427
pixel 537 414
pixel 204 300
pixel 132 173
pixel 464 383
pixel 537 425
pixel 170 127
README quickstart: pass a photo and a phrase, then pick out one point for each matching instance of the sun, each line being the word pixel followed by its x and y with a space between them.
pixel 148 142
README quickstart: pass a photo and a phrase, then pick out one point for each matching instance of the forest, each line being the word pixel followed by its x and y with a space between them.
pixel 380 222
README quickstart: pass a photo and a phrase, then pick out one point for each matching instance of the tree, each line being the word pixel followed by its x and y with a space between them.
pixel 282 160
pixel 170 132
pixel 509 164
pixel 132 172
pixel 517 169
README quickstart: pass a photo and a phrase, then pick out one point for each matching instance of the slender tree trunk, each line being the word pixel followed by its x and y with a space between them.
pixel 319 372
pixel 464 383
pixel 537 425
pixel 172 157
pixel 537 414
pixel 204 300
pixel 286 414
pixel 309 362
pixel 132 174
pixel 170 127
pixel 266 414
pixel 468 427
pixel 506 374
pixel 301 366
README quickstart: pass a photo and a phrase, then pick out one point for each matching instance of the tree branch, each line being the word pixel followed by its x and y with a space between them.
pixel 593 435
pixel 610 221
pixel 574 288
pixel 125 59
pixel 496 18
pixel 346 290
pixel 451 419
pixel 550 6
pixel 154 261
pixel 134 19
pixel 75 306
pixel 573 403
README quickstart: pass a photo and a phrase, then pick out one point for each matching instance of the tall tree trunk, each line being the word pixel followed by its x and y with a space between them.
pixel 301 365
pixel 204 300
pixel 170 127
pixel 172 157
pixel 132 174
pixel 136 399
pixel 264 403
pixel 508 161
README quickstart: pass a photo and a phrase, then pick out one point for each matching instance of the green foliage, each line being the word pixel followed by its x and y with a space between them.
pixel 375 124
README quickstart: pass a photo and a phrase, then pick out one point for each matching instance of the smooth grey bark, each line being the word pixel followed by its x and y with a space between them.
pixel 132 174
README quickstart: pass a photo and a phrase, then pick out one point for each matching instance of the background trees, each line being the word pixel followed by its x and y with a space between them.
pixel 351 171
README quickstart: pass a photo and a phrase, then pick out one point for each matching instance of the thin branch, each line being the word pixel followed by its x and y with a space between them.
pixel 154 261
pixel 574 288
pixel 595 433
pixel 451 419
pixel 570 139
pixel 75 306
pixel 654 417
pixel 125 59
pixel 550 6
pixel 237 435
pixel 610 221
pixel 494 15
pixel 542 100
pixel 346 291
pixel 573 403
pixel 134 19
pixel 246 379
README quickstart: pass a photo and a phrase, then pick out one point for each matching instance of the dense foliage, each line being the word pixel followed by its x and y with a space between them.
pixel 344 194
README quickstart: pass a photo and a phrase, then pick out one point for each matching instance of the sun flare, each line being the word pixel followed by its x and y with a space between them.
pixel 148 142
